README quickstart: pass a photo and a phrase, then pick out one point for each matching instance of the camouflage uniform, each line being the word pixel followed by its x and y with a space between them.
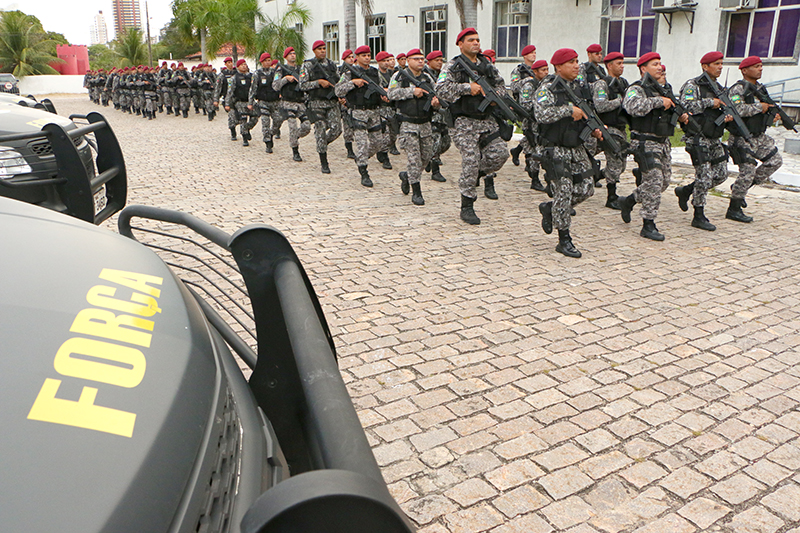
pixel 164 76
pixel 519 75
pixel 347 124
pixel 441 133
pixel 322 107
pixel 237 97
pixel 387 110
pixel 608 104
pixel 292 104
pixel 267 100
pixel 529 144
pixel 182 82
pixel 589 73
pixel 149 91
pixel 197 94
pixel 369 128
pixel 470 133
pixel 207 82
pixel 221 91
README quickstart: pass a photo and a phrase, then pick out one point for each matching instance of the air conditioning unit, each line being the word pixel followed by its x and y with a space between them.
pixel 435 15
pixel 675 3
pixel 735 5
pixel 376 31
pixel 332 35
pixel 519 7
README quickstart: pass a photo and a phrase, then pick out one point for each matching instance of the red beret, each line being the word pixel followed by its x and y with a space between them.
pixel 562 55
pixel 489 52
pixel 240 62
pixel 363 49
pixel 539 64
pixel 401 55
pixel 464 33
pixel 433 55
pixel 171 66
pixel 179 65
pixel 711 57
pixel 612 56
pixel 527 50
pixel 594 48
pixel 347 53
pixel 383 55
pixel 164 64
pixel 288 51
pixel 749 62
pixel 228 59
pixel 263 57
pixel 649 56
pixel 414 52
pixel 317 44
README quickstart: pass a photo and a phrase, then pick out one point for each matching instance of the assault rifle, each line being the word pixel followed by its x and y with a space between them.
pixel 425 86
pixel 595 69
pixel 727 107
pixel 288 72
pixel 372 87
pixel 323 74
pixel 692 127
pixel 763 96
pixel 508 107
pixel 593 122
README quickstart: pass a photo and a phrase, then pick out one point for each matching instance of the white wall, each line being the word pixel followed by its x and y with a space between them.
pixel 37 85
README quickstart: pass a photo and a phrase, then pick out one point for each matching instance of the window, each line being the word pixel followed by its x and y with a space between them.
pixel 631 28
pixel 770 30
pixel 330 34
pixel 513 24
pixel 376 33
pixel 434 29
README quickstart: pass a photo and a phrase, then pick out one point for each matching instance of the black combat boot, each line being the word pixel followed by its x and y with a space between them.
pixel 565 245
pixel 404 187
pixel 611 200
pixel 638 175
pixel 169 110
pixel 233 133
pixel 393 150
pixel 488 186
pixel 185 113
pixel 323 161
pixel 151 115
pixel 417 198
pixel 536 185
pixel 598 174
pixel 700 221
pixel 160 108
pixel 650 231
pixel 204 110
pixel 138 111
pixel 683 194
pixel 365 181
pixel 467 212
pixel 735 211
pixel 196 110
pixel 269 146
pixel 515 154
pixel 626 206
pixel 277 135
pixel 245 139
pixel 546 209
pixel 436 174
pixel 383 158
pixel 296 154
pixel 350 153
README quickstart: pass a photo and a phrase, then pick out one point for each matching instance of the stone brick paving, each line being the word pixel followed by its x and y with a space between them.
pixel 507 388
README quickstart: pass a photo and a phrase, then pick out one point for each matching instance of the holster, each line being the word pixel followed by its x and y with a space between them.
pixel 645 160
pixel 315 115
pixel 699 154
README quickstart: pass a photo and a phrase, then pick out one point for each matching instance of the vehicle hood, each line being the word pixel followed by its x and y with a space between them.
pixel 104 407
pixel 15 118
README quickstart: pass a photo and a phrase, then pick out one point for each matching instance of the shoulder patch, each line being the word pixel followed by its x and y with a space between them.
pixel 525 93
pixel 393 83
pixel 514 76
pixel 541 96
pixel 631 93
pixel 736 98
pixel 277 76
pixel 442 76
pixel 602 93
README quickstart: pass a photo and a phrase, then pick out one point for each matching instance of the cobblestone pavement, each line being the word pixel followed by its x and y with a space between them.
pixel 504 387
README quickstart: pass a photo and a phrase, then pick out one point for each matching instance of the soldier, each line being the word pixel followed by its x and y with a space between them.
pixel 651 127
pixel 317 78
pixel 709 158
pixel 348 58
pixel 607 96
pixel 441 133
pixel 387 110
pixel 416 132
pixel 592 70
pixel 221 91
pixel 746 96
pixel 263 96
pixel 368 127
pixel 402 60
pixel 112 76
pixel 173 91
pixel 164 75
pixel 530 128
pixel 560 126
pixel 238 97
pixel 196 97
pixel 182 81
pixel 138 93
pixel 206 82
pixel 476 133
pixel 292 103
pixel 87 84
pixel 149 90
pixel 520 72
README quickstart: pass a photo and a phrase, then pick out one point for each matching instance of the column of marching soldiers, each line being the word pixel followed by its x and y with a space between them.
pixel 567 117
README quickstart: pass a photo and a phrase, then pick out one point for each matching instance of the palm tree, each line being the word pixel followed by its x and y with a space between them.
pixel 25 48
pixel 468 12
pixel 231 21
pixel 189 17
pixel 130 47
pixel 350 39
pixel 277 35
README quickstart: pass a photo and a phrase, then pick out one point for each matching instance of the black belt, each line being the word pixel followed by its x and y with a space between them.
pixel 647 137
pixel 362 107
pixel 413 120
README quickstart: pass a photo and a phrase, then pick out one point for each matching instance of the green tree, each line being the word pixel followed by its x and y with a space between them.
pixel 131 48
pixel 191 19
pixel 24 46
pixel 101 56
pixel 231 22
pixel 278 34
pixel 172 43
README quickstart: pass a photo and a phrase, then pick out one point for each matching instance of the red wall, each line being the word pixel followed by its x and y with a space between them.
pixel 76 59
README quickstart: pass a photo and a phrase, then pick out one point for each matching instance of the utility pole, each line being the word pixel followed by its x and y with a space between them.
pixel 149 45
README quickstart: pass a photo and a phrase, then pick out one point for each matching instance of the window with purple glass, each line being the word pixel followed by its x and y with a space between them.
pixel 512 19
pixel 769 31
pixel 631 27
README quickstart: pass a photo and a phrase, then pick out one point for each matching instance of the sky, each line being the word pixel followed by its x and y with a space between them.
pixel 74 19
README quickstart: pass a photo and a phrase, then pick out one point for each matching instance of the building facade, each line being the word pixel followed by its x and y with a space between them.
pixel 126 14
pixel 99 31
pixel 680 30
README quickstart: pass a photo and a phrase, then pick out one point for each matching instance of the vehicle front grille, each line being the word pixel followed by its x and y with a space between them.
pixel 216 509
pixel 44 148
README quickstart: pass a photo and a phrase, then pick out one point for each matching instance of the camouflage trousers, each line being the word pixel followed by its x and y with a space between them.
pixel 441 138
pixel 389 113
pixel 529 148
pixel 292 112
pixel 174 98
pixel 327 120
pixel 270 119
pixel 166 97
pixel 370 134
pixel 347 125
pixel 184 99
pixel 710 166
pixel 615 164
pixel 150 101
pixel 574 187
pixel 467 136
pixel 208 100
pixel 104 96
pixel 757 149
pixel 197 98
pixel 247 117
pixel 655 163
pixel 416 140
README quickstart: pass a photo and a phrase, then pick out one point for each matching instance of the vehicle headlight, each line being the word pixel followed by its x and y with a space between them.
pixel 12 163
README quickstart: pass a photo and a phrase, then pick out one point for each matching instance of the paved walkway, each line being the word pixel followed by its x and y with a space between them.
pixel 504 387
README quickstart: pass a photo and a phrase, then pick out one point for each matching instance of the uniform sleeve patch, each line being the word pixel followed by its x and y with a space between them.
pixel 736 98
pixel 631 93
pixel 602 93
pixel 541 96
pixel 689 93
pixel 277 76
pixel 393 84
pixel 514 76
pixel 341 79
pixel 442 76
pixel 525 93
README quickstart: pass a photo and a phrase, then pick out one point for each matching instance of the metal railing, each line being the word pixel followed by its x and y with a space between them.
pixel 780 95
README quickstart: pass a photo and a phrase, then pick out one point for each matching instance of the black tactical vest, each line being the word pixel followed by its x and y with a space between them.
pixel 616 117
pixel 241 86
pixel 591 70
pixel 758 123
pixel 228 74
pixel 564 132
pixel 356 99
pixel 467 105
pixel 289 91
pixel 656 122
pixel 709 115
pixel 264 90
pixel 412 110
pixel 319 71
